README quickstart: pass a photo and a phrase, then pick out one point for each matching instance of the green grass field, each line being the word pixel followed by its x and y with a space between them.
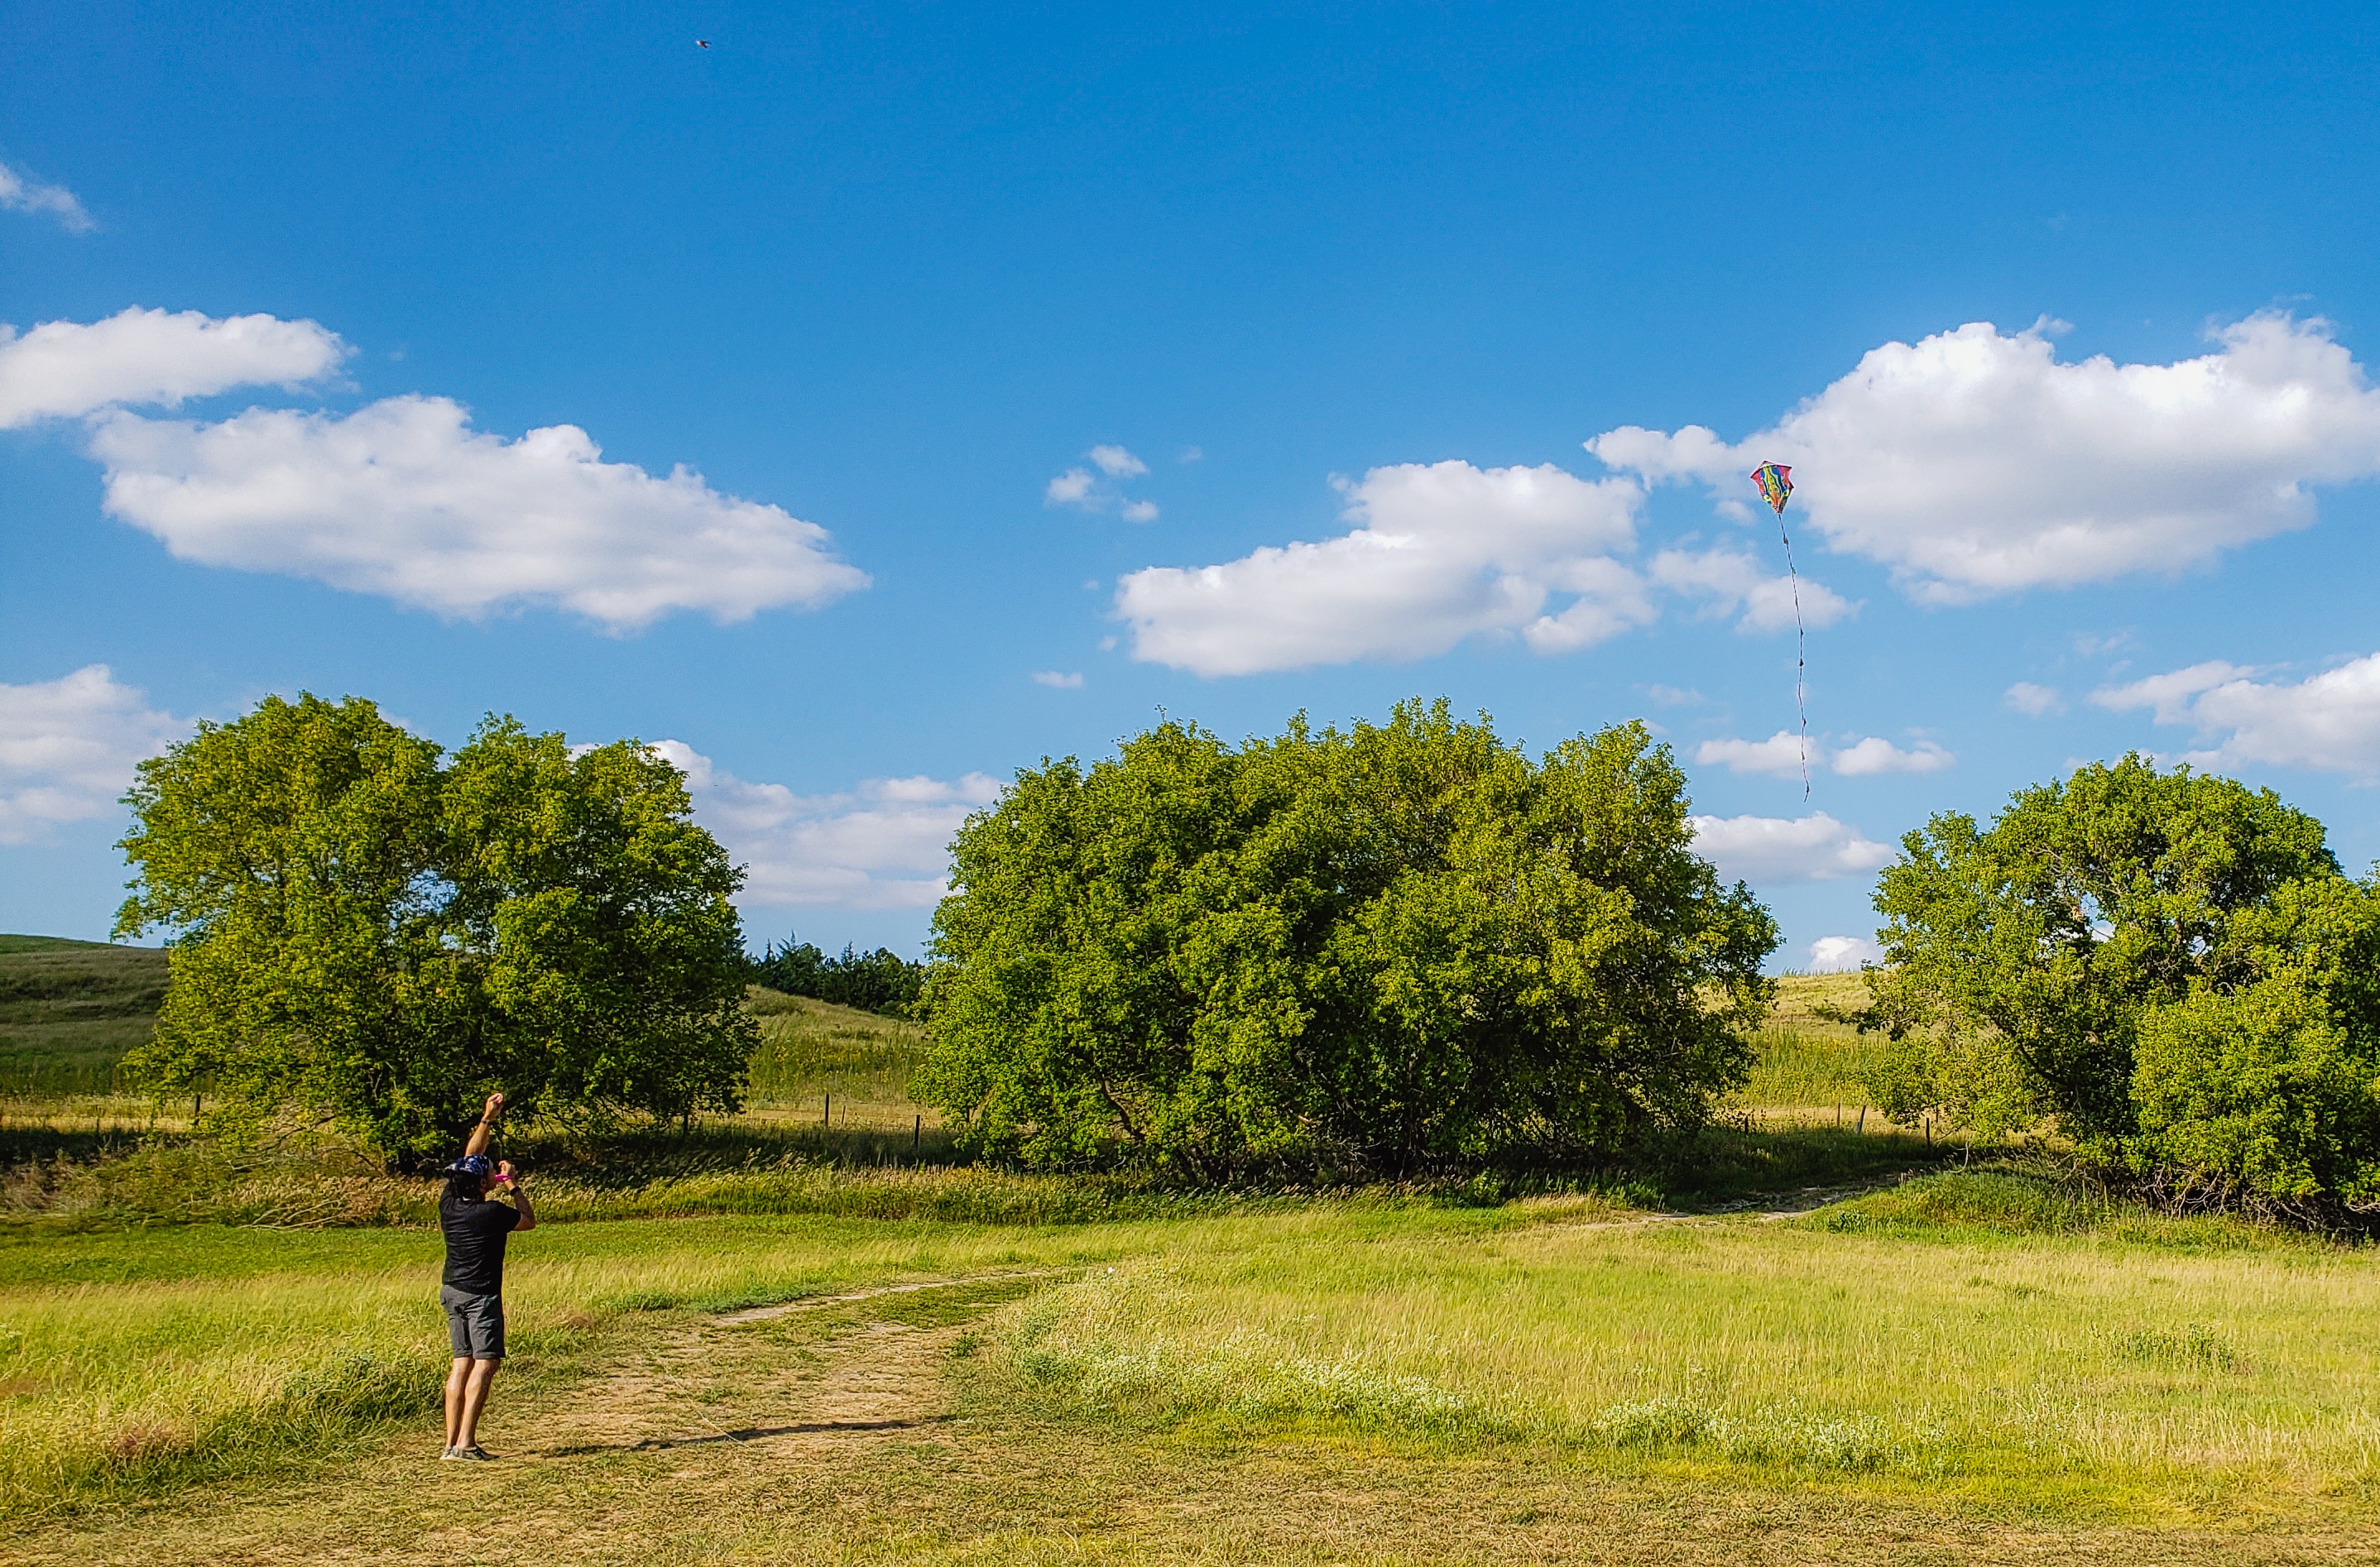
pixel 812 1049
pixel 790 1340
pixel 1961 1359
pixel 69 1010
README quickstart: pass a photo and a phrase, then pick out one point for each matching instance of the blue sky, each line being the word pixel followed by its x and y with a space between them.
pixel 930 304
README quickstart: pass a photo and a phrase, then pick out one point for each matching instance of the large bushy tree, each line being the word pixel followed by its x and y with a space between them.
pixel 1389 947
pixel 374 934
pixel 2167 965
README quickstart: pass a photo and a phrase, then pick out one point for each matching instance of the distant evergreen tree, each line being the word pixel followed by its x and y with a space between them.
pixel 881 981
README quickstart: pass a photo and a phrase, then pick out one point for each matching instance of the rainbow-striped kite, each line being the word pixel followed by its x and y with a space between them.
pixel 1776 482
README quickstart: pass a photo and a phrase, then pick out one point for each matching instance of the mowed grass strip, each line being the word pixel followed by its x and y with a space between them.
pixel 187 1356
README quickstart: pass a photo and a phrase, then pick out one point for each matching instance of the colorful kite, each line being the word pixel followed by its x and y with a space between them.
pixel 1776 484
pixel 1776 481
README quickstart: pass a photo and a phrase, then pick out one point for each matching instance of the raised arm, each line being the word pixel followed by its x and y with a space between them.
pixel 488 1116
pixel 520 1197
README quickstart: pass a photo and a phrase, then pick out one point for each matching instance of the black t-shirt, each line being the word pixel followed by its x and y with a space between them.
pixel 475 1242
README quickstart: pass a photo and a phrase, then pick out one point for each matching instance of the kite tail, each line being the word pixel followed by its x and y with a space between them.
pixel 1801 704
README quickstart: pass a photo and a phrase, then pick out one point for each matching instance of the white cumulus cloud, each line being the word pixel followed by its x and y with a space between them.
pixel 2033 701
pixel 1868 757
pixel 1842 955
pixel 1072 488
pixel 403 498
pixel 20 193
pixel 2328 721
pixel 1116 463
pixel 1439 552
pixel 1729 579
pixel 883 844
pixel 1775 849
pixel 2170 694
pixel 68 747
pixel 64 369
pixel 1781 753
pixel 1975 462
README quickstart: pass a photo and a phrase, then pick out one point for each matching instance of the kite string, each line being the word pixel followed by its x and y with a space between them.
pixel 1801 704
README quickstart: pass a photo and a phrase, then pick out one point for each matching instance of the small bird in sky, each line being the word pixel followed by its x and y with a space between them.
pixel 702 43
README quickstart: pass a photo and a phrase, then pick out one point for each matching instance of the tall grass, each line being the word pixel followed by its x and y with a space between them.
pixel 810 1050
pixel 114 1395
pixel 1809 1071
pixel 741 1173
pixel 1804 1059
pixel 135 1363
pixel 2079 1356
pixel 1974 1332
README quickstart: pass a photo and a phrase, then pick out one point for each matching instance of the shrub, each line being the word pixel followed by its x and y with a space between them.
pixel 372 933
pixel 1385 949
pixel 2275 1085
pixel 2169 966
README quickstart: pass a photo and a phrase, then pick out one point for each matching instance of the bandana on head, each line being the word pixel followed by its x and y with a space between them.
pixel 471 1164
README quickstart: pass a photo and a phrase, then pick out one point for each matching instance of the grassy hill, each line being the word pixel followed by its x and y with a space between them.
pixel 811 1048
pixel 69 1010
pixel 1805 1060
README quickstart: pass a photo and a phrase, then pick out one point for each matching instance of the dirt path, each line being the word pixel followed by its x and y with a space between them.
pixel 1768 1208
pixel 813 1303
pixel 712 1385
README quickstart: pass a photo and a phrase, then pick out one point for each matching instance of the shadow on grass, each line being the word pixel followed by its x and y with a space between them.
pixel 2007 1197
pixel 32 1141
pixel 1733 1167
pixel 748 1434
pixel 101 1179
pixel 627 1160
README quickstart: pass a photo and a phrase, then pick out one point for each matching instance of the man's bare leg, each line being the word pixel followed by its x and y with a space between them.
pixel 456 1376
pixel 475 1398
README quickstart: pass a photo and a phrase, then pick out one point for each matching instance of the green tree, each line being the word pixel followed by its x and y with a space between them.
pixel 1391 948
pixel 2274 1083
pixel 369 933
pixel 2169 966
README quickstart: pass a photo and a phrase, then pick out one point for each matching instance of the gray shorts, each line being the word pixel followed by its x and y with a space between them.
pixel 474 1323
